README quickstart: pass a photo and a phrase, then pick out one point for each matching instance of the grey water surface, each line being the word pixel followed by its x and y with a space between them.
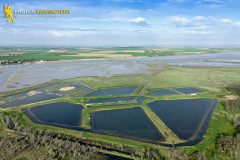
pixel 22 75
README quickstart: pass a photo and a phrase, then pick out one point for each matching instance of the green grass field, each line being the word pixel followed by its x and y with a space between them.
pixel 212 79
pixel 36 54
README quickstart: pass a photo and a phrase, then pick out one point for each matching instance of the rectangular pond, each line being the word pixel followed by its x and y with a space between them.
pixel 114 91
pixel 128 123
pixel 24 98
pixel 187 118
pixel 109 100
pixel 164 92
pixel 188 90
pixel 57 114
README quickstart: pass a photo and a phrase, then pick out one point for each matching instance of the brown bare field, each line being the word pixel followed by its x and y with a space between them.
pixel 33 93
pixel 231 97
pixel 66 89
pixel 10 53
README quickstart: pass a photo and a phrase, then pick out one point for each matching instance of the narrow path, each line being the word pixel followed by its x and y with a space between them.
pixel 169 135
pixel 142 92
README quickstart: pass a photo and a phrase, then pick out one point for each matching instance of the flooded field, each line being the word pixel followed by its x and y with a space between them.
pixel 175 91
pixel 52 87
pixel 78 85
pixel 188 90
pixel 70 88
pixel 60 114
pixel 129 123
pixel 47 92
pixel 188 118
pixel 22 75
pixel 23 99
pixel 109 100
pixel 114 91
pixel 82 92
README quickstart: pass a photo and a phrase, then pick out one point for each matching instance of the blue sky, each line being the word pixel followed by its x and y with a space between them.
pixel 97 23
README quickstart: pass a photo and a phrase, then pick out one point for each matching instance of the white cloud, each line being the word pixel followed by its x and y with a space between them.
pixel 203 22
pixel 139 21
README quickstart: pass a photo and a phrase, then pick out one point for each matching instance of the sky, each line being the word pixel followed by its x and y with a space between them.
pixel 109 23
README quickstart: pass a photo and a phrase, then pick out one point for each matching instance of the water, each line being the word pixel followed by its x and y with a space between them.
pixel 52 87
pixel 82 92
pixel 188 90
pixel 114 91
pixel 22 75
pixel 109 100
pixel 141 99
pixel 77 85
pixel 188 118
pixel 23 99
pixel 60 114
pixel 128 123
pixel 164 92
pixel 47 92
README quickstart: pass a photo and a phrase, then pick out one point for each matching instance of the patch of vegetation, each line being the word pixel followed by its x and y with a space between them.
pixel 232 105
pixel 235 88
pixel 23 55
pixel 60 145
pixel 206 78
pixel 175 51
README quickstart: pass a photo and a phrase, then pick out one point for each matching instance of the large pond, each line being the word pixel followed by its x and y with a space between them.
pixel 114 91
pixel 24 98
pixel 164 92
pixel 129 123
pixel 109 100
pixel 61 114
pixel 188 118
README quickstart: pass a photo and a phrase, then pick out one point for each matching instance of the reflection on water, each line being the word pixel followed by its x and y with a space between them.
pixel 132 123
pixel 61 114
pixel 188 118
